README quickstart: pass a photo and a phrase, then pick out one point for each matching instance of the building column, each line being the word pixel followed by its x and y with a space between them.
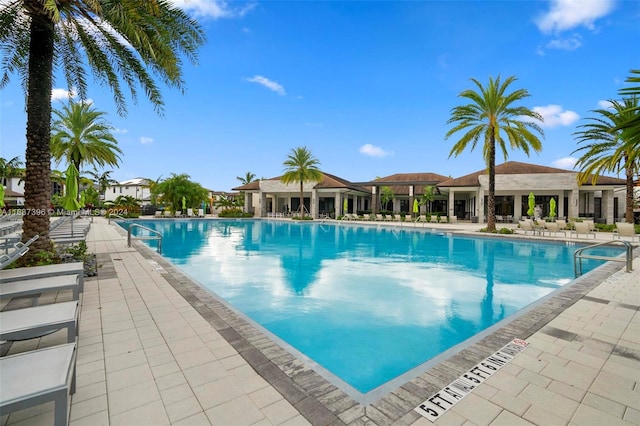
pixel 314 203
pixel 607 206
pixel 451 204
pixel 374 199
pixel 263 204
pixel 337 203
pixel 248 198
pixel 573 203
pixel 480 205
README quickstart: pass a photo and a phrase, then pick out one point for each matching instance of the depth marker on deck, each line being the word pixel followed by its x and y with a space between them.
pixel 440 402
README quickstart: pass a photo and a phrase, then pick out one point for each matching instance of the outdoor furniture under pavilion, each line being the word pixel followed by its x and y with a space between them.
pixel 37 377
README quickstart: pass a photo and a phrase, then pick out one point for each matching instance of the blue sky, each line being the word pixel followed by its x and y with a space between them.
pixel 368 86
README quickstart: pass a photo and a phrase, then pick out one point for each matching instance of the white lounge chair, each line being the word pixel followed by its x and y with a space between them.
pixel 421 219
pixel 37 377
pixel 190 213
pixel 37 321
pixel 553 227
pixel 528 226
pixel 434 219
pixel 200 212
pixel 453 219
pixel 582 228
pixel 625 230
pixel 32 272
pixel 35 287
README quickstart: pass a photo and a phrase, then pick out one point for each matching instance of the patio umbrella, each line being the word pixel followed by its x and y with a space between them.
pixel 552 208
pixel 184 203
pixel 532 204
pixel 83 199
pixel 1 196
pixel 345 206
pixel 416 207
pixel 70 200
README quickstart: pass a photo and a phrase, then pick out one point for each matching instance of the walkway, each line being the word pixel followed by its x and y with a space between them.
pixel 156 349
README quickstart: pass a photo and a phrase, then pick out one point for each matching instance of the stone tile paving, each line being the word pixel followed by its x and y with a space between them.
pixel 155 348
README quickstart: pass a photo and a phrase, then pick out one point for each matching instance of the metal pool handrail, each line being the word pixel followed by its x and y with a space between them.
pixel 578 256
pixel 156 235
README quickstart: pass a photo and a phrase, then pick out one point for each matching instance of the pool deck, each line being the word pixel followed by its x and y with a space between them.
pixel 155 348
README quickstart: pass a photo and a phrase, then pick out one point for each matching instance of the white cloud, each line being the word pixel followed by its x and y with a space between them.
pixel 146 140
pixel 215 9
pixel 555 116
pixel 566 163
pixel 605 104
pixel 271 85
pixel 569 43
pixel 116 130
pixel 373 151
pixel 62 94
pixel 567 14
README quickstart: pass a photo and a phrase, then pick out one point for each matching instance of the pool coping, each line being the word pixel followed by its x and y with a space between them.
pixel 322 402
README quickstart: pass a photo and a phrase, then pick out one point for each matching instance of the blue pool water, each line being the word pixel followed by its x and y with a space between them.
pixel 366 303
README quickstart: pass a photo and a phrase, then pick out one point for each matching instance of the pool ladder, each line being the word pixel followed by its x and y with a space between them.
pixel 578 255
pixel 154 235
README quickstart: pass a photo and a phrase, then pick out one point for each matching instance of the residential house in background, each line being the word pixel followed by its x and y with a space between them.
pixel 138 188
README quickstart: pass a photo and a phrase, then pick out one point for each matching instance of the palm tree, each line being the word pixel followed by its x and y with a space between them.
pixel 428 195
pixel 80 135
pixel 491 114
pixel 386 195
pixel 247 178
pixel 301 166
pixel 103 180
pixel 9 168
pixel 608 146
pixel 634 123
pixel 121 41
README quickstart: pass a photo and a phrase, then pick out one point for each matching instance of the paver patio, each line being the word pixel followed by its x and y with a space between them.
pixel 155 349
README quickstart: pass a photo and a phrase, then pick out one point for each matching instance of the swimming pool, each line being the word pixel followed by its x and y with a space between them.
pixel 367 304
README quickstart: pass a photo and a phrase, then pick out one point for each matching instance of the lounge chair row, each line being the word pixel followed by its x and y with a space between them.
pixel 39 376
pixel 178 213
pixel 399 218
pixel 585 228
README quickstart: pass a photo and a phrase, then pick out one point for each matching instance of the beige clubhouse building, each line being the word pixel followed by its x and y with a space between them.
pixel 463 197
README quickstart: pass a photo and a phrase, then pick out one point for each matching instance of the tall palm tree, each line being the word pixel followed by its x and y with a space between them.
pixel 301 166
pixel 247 178
pixel 492 115
pixel 634 123
pixel 608 147
pixel 125 41
pixel 80 135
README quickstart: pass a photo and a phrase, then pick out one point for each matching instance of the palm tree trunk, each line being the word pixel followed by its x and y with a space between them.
pixel 628 216
pixel 491 201
pixel 37 187
pixel 301 201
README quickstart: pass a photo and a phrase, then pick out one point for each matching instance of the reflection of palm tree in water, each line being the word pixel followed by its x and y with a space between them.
pixel 486 306
pixel 458 328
